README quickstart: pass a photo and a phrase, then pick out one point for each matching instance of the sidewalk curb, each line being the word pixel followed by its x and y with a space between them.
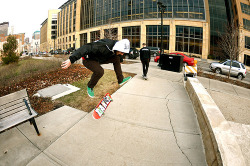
pixel 221 145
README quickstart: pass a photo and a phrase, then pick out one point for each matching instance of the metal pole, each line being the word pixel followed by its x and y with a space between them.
pixel 54 45
pixel 162 10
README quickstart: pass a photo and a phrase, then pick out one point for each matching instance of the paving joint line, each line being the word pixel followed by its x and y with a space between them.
pixel 42 151
pixel 54 158
pixel 32 144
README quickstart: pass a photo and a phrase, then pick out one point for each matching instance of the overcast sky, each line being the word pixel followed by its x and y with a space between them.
pixel 27 15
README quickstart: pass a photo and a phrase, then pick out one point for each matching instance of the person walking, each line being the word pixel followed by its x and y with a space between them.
pixel 100 52
pixel 145 59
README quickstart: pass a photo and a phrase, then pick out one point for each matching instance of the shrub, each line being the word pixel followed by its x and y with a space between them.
pixel 9 48
pixel 11 58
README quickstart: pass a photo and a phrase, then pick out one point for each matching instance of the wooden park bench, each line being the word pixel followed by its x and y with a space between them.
pixel 15 108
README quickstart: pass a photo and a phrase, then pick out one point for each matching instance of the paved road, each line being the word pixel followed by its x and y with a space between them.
pixel 205 67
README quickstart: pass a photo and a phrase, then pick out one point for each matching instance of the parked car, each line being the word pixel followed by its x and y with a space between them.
pixel 188 60
pixel 238 69
pixel 154 51
pixel 65 52
pixel 70 50
pixel 133 54
pixel 157 58
pixel 59 51
pixel 52 52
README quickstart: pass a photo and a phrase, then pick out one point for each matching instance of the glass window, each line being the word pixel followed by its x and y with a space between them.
pixel 247 42
pixel 83 39
pixel 243 66
pixel 99 12
pixel 95 35
pixel 227 63
pixel 133 35
pixel 218 19
pixel 235 64
pixel 189 39
pixel 153 36
pixel 246 24
pixel 245 8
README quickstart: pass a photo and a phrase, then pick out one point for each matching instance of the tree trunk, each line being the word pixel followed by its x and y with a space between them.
pixel 230 68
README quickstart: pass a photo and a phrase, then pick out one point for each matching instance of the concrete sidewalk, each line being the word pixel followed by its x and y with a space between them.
pixel 149 123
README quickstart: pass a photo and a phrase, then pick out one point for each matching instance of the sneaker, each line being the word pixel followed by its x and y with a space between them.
pixel 90 92
pixel 145 77
pixel 125 80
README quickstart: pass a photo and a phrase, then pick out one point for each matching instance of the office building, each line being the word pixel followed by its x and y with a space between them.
pixel 189 26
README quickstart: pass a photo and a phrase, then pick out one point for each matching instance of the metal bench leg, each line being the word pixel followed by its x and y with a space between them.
pixel 34 124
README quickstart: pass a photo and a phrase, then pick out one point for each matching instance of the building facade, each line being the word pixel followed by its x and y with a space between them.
pixel 35 43
pixel 48 32
pixel 241 11
pixel 189 26
pixel 20 39
pixel 4 28
pixel 66 30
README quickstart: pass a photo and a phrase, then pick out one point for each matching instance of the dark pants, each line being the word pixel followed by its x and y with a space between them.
pixel 145 64
pixel 98 71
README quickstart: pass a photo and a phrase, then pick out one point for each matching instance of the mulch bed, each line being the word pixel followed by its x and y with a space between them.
pixel 60 76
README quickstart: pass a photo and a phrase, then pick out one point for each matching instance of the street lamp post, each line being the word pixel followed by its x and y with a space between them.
pixel 36 43
pixel 162 9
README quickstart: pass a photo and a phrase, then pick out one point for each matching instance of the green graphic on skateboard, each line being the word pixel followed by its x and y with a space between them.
pixel 102 106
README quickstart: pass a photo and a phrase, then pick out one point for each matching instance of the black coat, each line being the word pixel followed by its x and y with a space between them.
pixel 145 53
pixel 100 51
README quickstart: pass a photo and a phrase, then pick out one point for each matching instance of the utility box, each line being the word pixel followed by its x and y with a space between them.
pixel 171 62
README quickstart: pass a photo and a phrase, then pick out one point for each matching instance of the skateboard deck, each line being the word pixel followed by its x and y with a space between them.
pixel 102 106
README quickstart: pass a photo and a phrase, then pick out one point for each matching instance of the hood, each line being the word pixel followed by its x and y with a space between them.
pixel 122 46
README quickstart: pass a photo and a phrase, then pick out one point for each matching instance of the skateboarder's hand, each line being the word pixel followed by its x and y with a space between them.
pixel 66 64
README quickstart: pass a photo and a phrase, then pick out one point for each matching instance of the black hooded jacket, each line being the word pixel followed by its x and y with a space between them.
pixel 145 53
pixel 100 51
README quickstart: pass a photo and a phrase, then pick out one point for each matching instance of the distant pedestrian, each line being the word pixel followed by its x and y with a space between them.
pixel 100 52
pixel 145 59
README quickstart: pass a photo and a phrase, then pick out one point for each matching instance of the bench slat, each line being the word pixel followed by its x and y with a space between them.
pixel 13 102
pixel 14 120
pixel 14 111
pixel 13 96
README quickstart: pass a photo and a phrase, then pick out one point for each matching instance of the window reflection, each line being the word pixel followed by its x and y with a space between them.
pixel 95 35
pixel 189 39
pixel 99 12
pixel 132 34
pixel 153 33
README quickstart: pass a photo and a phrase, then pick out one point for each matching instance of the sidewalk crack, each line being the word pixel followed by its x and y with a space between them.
pixel 169 114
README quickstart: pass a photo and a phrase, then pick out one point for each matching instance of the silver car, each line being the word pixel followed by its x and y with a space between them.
pixel 238 69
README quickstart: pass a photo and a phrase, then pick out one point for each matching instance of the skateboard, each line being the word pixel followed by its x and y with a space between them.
pixel 102 106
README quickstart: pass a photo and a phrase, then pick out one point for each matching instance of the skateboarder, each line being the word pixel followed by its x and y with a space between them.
pixel 100 52
pixel 145 59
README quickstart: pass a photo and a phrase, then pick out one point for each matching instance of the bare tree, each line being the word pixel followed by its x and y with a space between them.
pixel 229 42
pixel 111 32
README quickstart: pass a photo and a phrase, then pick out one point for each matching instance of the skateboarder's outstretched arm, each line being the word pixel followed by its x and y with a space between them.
pixel 66 64
pixel 81 52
